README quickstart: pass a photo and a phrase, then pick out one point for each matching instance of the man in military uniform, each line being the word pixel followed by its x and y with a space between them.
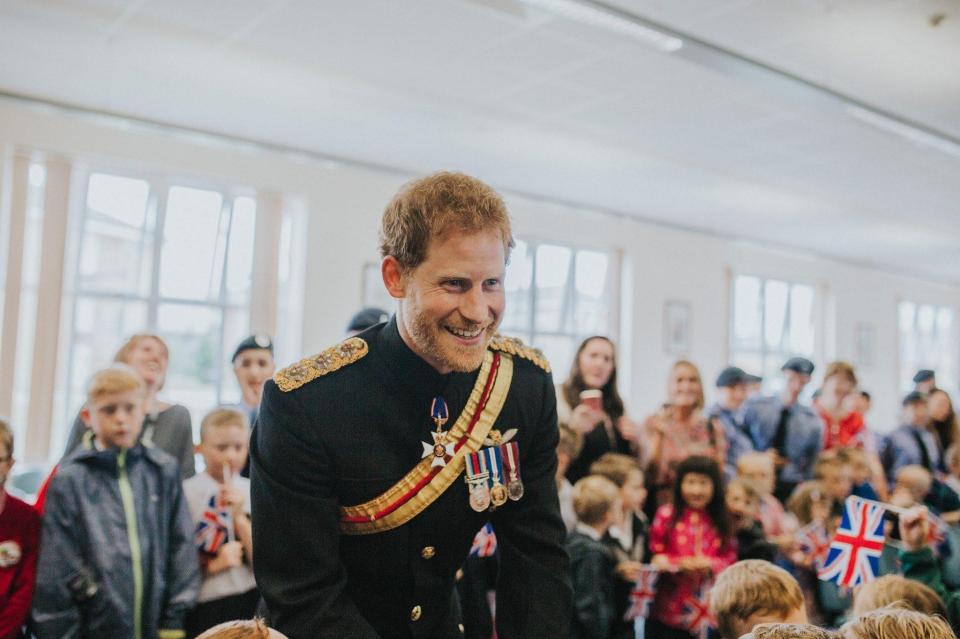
pixel 791 431
pixel 377 461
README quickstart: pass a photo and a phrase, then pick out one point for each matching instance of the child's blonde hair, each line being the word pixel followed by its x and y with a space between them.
pixel 570 443
pixel 827 460
pixel 616 467
pixel 748 487
pixel 219 417
pixel 754 456
pixel 852 456
pixel 6 436
pixel 593 497
pixel 119 378
pixel 750 587
pixel 916 479
pixel 246 629
pixel 893 622
pixel 804 496
pixel 789 631
pixel 891 589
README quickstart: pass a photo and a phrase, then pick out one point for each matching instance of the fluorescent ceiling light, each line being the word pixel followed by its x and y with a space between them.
pixel 904 130
pixel 592 14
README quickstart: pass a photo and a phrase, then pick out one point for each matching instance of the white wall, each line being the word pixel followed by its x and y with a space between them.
pixel 345 201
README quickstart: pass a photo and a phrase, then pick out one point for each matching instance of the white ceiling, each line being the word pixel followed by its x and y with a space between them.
pixel 547 106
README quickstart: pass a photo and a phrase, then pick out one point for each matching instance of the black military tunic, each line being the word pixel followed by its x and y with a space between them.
pixel 346 437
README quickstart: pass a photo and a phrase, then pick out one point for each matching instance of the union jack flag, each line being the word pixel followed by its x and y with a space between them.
pixel 854 554
pixel 642 594
pixel 814 542
pixel 696 612
pixel 213 529
pixel 484 542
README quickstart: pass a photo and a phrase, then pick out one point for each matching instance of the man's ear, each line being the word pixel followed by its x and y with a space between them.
pixel 393 277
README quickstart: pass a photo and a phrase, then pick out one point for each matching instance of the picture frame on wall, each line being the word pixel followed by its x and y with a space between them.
pixel 865 342
pixel 676 327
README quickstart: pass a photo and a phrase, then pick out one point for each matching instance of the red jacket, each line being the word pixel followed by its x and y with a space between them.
pixel 19 538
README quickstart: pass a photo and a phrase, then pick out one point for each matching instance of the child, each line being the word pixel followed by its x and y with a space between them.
pixel 836 479
pixel 629 532
pixel 915 485
pixel 812 506
pixel 789 631
pixel 861 474
pixel 759 469
pixel 953 466
pixel 19 536
pixel 116 554
pixel 627 538
pixel 753 592
pixel 692 541
pixel 743 503
pixel 219 501
pixel 568 448
pixel 894 622
pixel 253 629
pixel 596 501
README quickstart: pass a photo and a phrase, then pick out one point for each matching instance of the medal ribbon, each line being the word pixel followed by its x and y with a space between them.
pixel 511 468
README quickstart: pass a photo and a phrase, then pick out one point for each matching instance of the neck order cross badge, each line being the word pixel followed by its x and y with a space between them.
pixel 440 449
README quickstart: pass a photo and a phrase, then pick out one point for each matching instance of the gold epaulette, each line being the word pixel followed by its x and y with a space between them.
pixel 310 368
pixel 513 346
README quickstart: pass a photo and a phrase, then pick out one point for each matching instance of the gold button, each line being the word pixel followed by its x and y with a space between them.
pixel 416 613
pixel 428 552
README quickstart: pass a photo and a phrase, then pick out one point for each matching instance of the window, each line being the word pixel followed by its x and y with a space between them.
pixel 169 259
pixel 557 296
pixel 772 321
pixel 927 340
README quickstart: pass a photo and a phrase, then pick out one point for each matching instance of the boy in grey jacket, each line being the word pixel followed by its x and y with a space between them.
pixel 116 552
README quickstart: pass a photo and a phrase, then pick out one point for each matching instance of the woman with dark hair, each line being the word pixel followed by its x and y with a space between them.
pixel 589 403
pixel 943 419
pixel 679 429
pixel 691 541
pixel 166 426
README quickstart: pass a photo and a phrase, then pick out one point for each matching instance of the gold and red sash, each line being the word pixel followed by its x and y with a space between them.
pixel 425 483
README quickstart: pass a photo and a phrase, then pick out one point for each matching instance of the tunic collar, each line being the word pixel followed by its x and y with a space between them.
pixel 410 370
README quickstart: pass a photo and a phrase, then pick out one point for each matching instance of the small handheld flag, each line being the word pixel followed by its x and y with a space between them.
pixel 484 542
pixel 814 542
pixel 643 593
pixel 854 554
pixel 696 612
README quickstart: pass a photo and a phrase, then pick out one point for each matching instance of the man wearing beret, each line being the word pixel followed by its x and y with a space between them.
pixel 728 413
pixel 924 381
pixel 789 430
pixel 376 462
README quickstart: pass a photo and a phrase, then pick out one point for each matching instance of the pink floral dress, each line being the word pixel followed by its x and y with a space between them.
pixel 693 534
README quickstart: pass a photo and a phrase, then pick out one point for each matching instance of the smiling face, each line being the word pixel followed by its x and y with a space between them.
pixel 115 418
pixel 148 358
pixel 685 388
pixel 596 363
pixel 696 489
pixel 253 367
pixel 452 302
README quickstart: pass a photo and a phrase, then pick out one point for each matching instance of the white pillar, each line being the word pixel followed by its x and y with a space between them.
pixel 18 183
pixel 266 263
pixel 49 296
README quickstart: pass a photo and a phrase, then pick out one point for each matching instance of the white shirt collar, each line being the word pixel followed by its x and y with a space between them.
pixel 589 531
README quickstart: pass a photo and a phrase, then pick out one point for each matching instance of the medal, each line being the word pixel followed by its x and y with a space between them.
pixel 498 492
pixel 440 449
pixel 477 482
pixel 510 453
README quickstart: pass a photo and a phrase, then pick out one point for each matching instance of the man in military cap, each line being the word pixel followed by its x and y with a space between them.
pixel 790 431
pixel 376 461
pixel 728 413
pixel 924 381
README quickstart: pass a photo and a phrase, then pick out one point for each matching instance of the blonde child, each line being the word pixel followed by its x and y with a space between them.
pixel 759 469
pixel 754 592
pixel 596 501
pixel 692 542
pixel 568 448
pixel 743 503
pixel 248 629
pixel 219 500
pixel 116 554
pixel 894 622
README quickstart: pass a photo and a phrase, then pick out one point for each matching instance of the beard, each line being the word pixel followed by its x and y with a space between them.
pixel 439 344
